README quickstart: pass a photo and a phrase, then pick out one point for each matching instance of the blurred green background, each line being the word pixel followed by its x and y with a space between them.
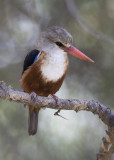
pixel 91 22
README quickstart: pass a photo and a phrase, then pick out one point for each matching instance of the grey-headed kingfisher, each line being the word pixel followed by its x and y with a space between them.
pixel 45 67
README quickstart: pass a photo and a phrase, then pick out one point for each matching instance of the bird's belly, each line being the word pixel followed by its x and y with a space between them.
pixel 34 82
pixel 40 86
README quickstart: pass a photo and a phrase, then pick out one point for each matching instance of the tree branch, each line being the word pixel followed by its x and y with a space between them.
pixel 103 112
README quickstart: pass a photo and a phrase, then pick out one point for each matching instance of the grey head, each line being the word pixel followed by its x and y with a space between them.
pixel 56 40
pixel 54 36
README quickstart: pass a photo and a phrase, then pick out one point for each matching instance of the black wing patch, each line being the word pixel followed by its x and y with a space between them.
pixel 29 59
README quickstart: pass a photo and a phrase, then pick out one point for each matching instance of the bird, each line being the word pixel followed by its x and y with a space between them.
pixel 45 67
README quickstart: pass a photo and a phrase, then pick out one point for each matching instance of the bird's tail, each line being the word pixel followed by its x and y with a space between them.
pixel 32 120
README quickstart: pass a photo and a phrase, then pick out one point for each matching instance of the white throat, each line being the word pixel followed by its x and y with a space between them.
pixel 54 66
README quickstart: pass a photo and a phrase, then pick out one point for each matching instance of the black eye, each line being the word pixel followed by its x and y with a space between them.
pixel 59 44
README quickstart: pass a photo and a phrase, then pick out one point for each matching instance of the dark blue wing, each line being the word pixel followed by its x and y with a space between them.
pixel 30 59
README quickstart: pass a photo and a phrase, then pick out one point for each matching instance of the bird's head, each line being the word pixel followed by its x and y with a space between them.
pixel 59 38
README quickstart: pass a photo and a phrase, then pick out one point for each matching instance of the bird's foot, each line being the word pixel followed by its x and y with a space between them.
pixel 55 98
pixel 57 103
pixel 33 96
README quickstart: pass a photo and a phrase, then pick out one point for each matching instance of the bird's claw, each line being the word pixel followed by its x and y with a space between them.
pixel 33 96
pixel 55 98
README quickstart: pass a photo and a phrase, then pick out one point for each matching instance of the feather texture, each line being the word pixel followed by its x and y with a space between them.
pixel 30 59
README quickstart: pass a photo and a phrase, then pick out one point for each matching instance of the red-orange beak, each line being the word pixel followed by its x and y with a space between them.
pixel 75 52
